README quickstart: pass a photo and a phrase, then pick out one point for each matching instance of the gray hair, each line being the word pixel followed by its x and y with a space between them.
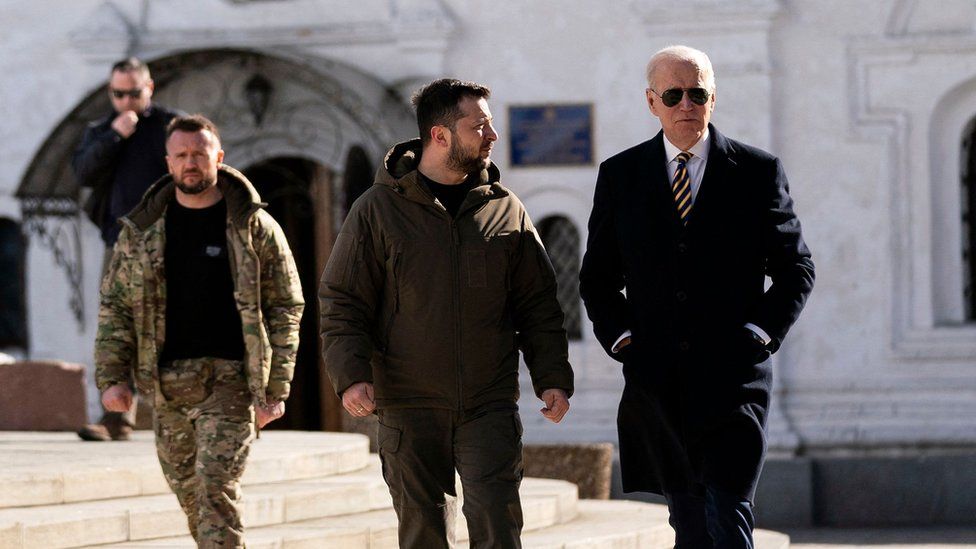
pixel 686 54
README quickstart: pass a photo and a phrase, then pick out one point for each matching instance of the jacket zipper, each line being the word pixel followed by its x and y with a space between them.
pixel 455 261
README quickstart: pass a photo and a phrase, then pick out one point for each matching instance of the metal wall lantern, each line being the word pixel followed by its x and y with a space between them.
pixel 257 91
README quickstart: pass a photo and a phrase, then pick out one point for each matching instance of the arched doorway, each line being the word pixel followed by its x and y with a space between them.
pixel 293 122
pixel 286 185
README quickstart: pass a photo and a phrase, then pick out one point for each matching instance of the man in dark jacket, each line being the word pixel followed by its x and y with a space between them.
pixel 119 157
pixel 685 228
pixel 436 281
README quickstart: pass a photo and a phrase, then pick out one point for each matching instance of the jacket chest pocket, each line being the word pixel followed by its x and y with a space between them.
pixel 485 263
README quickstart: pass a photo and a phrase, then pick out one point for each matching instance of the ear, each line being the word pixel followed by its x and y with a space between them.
pixel 151 85
pixel 169 164
pixel 220 156
pixel 440 136
pixel 650 100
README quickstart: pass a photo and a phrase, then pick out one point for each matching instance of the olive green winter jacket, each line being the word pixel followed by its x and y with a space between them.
pixel 433 310
pixel 132 316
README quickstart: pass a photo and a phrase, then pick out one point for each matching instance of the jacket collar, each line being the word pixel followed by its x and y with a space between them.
pixel 721 157
pixel 241 197
pixel 399 172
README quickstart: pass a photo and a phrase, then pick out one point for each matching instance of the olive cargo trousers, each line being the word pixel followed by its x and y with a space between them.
pixel 420 449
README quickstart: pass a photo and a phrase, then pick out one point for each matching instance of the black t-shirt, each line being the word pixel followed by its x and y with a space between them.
pixel 202 319
pixel 451 196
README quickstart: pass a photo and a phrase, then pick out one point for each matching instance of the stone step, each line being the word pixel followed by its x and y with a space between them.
pixel 52 468
pixel 301 490
pixel 349 495
pixel 545 503
pixel 600 525
pixel 146 517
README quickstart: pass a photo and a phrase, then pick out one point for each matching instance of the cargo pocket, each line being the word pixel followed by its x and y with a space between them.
pixel 388 442
pixel 186 382
pixel 519 467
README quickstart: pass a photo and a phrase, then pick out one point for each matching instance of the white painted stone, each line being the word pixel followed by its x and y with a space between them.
pixel 867 114
pixel 12 535
pixel 107 482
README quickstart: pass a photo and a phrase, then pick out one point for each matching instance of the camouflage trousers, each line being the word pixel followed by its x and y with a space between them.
pixel 204 432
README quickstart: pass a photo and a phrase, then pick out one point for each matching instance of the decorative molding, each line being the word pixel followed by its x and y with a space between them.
pixel 408 37
pixel 915 329
pixel 671 17
pixel 862 420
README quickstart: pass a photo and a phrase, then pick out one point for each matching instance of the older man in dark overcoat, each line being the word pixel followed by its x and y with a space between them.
pixel 685 229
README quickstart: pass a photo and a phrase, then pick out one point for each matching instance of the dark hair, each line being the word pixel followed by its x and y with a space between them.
pixel 437 103
pixel 131 64
pixel 191 124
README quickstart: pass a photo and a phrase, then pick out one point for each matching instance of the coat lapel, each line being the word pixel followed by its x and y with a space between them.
pixel 720 161
pixel 653 178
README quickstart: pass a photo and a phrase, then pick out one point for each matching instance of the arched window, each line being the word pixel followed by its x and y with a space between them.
pixel 968 202
pixel 13 305
pixel 562 242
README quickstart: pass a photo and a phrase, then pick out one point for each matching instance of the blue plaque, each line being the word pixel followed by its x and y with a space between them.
pixel 551 135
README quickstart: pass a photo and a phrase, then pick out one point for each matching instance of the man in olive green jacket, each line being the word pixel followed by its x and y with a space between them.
pixel 203 298
pixel 436 281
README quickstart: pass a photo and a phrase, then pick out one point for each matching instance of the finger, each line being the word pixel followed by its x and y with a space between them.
pixel 563 408
pixel 369 392
pixel 356 409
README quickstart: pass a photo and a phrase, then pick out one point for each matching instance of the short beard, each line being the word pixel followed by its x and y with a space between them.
pixel 458 162
pixel 198 188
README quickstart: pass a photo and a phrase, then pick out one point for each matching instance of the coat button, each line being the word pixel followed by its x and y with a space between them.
pixel 680 295
pixel 684 346
pixel 682 248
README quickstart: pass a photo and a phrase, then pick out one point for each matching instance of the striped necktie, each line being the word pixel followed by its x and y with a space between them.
pixel 682 187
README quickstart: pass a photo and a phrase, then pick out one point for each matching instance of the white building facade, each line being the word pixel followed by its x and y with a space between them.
pixel 870 104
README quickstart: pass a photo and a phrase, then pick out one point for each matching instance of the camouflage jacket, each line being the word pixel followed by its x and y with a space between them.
pixel 131 318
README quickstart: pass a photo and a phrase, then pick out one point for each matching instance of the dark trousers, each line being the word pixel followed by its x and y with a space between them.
pixel 716 520
pixel 420 449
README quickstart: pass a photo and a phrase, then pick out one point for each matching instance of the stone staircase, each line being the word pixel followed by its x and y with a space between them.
pixel 301 489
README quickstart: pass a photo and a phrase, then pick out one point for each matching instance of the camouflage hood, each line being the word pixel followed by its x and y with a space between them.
pixel 241 196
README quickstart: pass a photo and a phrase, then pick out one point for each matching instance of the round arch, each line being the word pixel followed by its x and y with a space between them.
pixel 310 107
pixel 267 104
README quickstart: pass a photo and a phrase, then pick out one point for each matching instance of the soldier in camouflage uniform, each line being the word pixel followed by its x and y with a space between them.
pixel 203 297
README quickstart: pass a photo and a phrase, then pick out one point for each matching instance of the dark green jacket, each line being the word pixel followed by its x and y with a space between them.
pixel 433 309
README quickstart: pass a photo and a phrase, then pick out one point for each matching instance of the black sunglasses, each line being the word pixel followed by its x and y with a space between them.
pixel 672 97
pixel 119 94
